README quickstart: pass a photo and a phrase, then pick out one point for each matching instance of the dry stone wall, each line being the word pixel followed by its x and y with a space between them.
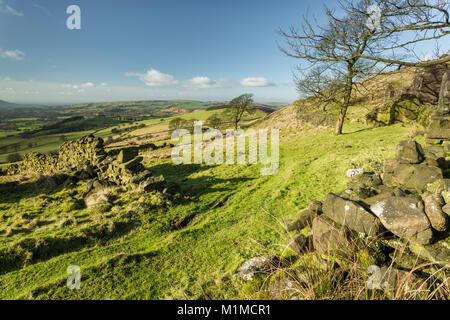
pixel 86 158
pixel 407 203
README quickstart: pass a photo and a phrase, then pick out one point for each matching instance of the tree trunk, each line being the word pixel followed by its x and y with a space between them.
pixel 341 119
pixel 347 97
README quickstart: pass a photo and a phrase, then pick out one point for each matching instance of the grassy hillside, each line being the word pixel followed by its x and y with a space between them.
pixel 184 247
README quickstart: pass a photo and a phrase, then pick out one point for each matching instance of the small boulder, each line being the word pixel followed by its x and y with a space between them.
pixel 354 172
pixel 98 201
pixel 438 252
pixel 433 210
pixel 446 209
pixel 330 239
pixel 404 217
pixel 133 165
pixel 153 184
pixel 438 186
pixel 253 266
pixel 303 220
pixel 351 214
pixel 394 281
pixel 415 177
pixel 364 181
pixel 298 244
pixel 315 206
pixel 438 133
pixel 142 176
pixel 410 152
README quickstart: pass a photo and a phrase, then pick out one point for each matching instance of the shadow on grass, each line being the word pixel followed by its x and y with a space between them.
pixel 357 131
pixel 14 192
pixel 180 176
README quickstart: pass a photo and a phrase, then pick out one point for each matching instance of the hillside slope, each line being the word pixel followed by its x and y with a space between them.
pixel 189 249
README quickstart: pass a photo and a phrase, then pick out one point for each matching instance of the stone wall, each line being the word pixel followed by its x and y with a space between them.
pixel 74 155
pixel 406 205
pixel 86 158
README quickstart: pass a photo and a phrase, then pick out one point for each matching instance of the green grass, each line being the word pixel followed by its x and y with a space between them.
pixel 232 213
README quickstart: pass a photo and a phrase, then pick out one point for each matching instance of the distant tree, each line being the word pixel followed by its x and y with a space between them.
pixel 62 138
pixel 188 124
pixel 238 107
pixel 176 124
pixel 14 157
pixel 214 121
pixel 30 145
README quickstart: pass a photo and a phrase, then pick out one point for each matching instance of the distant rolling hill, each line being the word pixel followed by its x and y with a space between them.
pixel 10 105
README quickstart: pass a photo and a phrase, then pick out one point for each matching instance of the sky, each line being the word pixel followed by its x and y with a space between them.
pixel 147 50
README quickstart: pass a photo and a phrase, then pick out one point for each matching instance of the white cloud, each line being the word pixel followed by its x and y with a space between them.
pixel 206 83
pixel 87 85
pixel 7 91
pixel 154 78
pixel 256 82
pixel 79 86
pixel 103 84
pixel 14 55
pixel 64 93
pixel 9 10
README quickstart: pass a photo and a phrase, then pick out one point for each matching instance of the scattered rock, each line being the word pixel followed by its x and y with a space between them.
pixel 98 201
pixel 354 172
pixel 253 266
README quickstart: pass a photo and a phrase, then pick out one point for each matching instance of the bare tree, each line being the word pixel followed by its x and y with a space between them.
pixel 359 43
pixel 410 22
pixel 320 83
pixel 238 107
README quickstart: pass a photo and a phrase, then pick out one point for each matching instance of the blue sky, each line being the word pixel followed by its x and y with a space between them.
pixel 147 49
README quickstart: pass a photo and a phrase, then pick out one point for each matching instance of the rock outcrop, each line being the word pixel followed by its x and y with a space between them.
pixel 444 96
